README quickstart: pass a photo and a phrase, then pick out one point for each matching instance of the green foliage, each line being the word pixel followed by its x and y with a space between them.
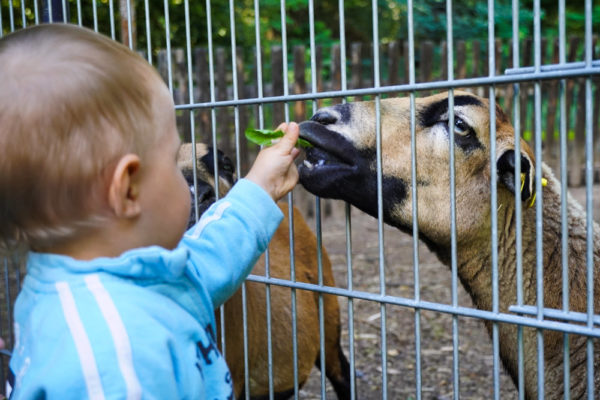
pixel 469 20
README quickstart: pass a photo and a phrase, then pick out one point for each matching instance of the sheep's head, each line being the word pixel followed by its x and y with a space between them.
pixel 205 174
pixel 343 162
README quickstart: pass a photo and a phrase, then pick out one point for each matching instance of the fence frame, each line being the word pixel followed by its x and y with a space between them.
pixel 562 71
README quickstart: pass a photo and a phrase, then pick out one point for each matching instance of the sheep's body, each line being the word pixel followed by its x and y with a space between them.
pixel 477 280
pixel 342 164
pixel 281 321
pixel 307 311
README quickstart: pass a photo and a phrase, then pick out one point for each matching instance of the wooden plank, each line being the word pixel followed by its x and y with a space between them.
pixel 336 71
pixel 224 128
pixel 461 56
pixel 202 117
pixel 355 66
pixel 425 63
pixel 277 83
pixel 394 63
pixel 299 81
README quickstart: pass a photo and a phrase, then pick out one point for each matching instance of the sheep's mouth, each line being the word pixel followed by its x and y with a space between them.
pixel 330 152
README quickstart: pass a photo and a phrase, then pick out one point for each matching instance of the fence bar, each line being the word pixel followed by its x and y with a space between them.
pixel 12 16
pixel 129 22
pixel 518 203
pixel 168 44
pixel 111 9
pixel 563 197
pixel 408 88
pixel 1 27
pixel 23 18
pixel 453 253
pixel 95 16
pixel 493 200
pixel 148 34
pixel 313 64
pixel 79 17
pixel 562 66
pixel 436 307
pixel 382 280
pixel 413 171
pixel 348 216
pixel 589 172
pixel 539 200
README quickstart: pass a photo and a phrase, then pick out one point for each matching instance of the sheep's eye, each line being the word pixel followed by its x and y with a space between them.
pixel 460 126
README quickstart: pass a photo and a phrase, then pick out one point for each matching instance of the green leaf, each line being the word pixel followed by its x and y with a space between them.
pixel 265 137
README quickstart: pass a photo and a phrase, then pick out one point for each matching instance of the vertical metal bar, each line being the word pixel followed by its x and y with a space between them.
pixel 95 16
pixel 168 45
pixel 1 27
pixel 453 253
pixel 589 173
pixel 64 11
pixel 493 200
pixel 12 16
pixel 49 5
pixel 382 290
pixel 213 120
pixel 148 33
pixel 23 17
pixel 415 213
pixel 129 22
pixel 36 12
pixel 259 82
pixel 518 202
pixel 539 197
pixel 563 197
pixel 348 216
pixel 111 9
pixel 290 197
pixel 236 113
pixel 313 64
pixel 79 16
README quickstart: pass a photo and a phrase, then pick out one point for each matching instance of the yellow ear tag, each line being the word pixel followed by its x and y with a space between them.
pixel 544 184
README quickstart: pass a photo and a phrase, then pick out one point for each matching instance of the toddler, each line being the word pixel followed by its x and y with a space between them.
pixel 118 301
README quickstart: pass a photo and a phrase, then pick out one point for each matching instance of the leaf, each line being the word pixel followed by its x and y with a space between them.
pixel 265 137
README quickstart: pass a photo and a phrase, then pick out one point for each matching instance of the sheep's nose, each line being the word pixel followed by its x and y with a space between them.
pixel 325 117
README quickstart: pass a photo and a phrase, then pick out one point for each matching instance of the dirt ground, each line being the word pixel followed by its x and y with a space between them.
pixel 475 349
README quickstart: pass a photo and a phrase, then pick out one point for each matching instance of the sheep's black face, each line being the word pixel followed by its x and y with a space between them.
pixel 205 173
pixel 335 167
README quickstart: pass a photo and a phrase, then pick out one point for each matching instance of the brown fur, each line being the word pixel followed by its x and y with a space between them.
pixel 356 123
pixel 307 312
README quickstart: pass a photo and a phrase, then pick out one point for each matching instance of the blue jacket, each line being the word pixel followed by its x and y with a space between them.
pixel 142 325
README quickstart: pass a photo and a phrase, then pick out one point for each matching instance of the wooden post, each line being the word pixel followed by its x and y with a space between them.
pixel 425 63
pixel 277 82
pixel 203 119
pixel 461 56
pixel 355 59
pixel 336 71
pixel 299 81
pixel 224 128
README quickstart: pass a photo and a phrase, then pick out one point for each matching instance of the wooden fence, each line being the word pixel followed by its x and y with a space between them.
pixel 430 65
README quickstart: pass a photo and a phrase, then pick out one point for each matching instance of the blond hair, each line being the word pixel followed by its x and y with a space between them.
pixel 72 102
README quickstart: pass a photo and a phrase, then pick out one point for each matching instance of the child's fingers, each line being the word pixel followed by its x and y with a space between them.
pixel 288 141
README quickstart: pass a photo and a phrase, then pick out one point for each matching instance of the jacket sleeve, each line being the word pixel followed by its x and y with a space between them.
pixel 230 237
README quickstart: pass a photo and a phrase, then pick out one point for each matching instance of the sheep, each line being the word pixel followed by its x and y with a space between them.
pixel 337 368
pixel 342 165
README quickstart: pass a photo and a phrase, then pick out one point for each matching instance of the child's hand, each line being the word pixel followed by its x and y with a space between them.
pixel 274 169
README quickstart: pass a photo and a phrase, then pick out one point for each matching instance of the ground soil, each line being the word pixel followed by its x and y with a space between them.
pixel 475 349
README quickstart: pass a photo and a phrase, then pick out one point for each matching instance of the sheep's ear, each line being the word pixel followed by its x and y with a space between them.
pixel 506 173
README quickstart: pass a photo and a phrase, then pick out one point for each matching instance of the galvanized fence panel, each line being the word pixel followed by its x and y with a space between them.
pixel 226 103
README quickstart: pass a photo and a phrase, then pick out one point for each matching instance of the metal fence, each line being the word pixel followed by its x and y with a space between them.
pixel 387 299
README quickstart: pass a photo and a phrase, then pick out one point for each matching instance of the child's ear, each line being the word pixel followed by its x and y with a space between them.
pixel 123 192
